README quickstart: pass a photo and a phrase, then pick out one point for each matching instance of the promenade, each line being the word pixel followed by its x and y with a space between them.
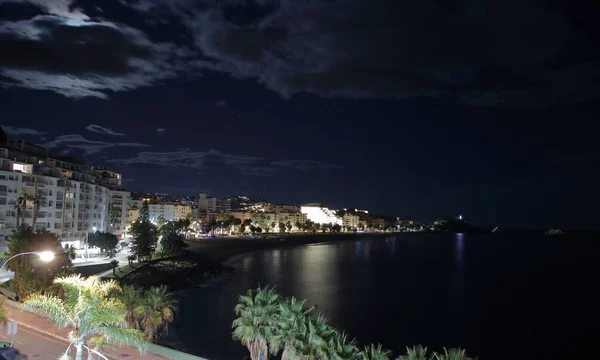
pixel 39 339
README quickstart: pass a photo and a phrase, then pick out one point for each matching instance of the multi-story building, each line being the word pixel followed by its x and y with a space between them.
pixel 133 214
pixel 207 206
pixel 223 205
pixel 120 202
pixel 316 213
pixel 182 212
pixel 168 211
pixel 243 215
pixel 73 201
pixel 350 221
pixel 281 208
pixel 110 179
pixel 292 217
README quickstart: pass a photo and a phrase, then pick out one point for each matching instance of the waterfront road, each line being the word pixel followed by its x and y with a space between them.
pixel 36 345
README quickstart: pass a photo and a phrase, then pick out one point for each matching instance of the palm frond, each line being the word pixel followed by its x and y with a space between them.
pixel 52 307
pixel 453 354
pixel 123 336
pixel 415 353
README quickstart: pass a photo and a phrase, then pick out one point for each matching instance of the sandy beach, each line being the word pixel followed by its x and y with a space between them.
pixel 221 248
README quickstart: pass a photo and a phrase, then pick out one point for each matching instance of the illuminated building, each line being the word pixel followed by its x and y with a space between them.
pixel 168 211
pixel 315 212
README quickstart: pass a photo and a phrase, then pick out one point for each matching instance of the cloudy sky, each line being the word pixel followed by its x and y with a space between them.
pixel 419 109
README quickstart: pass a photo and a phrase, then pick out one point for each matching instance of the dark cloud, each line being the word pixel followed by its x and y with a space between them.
pixel 305 165
pixel 17 131
pixel 73 142
pixel 66 51
pixel 263 171
pixel 479 53
pixel 187 158
pixel 220 103
pixel 161 130
pixel 103 130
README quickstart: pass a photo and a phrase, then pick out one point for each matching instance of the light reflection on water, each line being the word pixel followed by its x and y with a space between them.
pixel 431 289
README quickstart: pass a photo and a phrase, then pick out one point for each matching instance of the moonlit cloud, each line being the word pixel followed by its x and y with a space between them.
pixel 221 103
pixel 89 147
pixel 305 165
pixel 17 131
pixel 466 53
pixel 103 130
pixel 161 130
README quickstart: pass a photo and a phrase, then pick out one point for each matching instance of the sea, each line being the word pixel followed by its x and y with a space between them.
pixel 498 296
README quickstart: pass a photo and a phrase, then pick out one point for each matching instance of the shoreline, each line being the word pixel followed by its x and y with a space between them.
pixel 228 249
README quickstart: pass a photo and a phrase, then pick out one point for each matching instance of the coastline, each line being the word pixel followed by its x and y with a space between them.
pixel 228 249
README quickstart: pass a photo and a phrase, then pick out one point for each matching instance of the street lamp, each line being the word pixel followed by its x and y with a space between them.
pixel 5 275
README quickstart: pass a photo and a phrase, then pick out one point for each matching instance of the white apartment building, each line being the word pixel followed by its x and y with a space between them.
pixel 182 212
pixel 74 198
pixel 316 213
pixel 120 203
pixel 168 211
pixel 69 208
pixel 206 205
pixel 292 217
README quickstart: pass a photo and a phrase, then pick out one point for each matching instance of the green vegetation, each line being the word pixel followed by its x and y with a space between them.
pixel 104 241
pixel 150 310
pixel 3 317
pixel 171 240
pixel 145 235
pixel 96 318
pixel 32 275
pixel 268 324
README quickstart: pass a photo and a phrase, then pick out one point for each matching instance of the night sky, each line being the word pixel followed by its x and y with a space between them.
pixel 422 109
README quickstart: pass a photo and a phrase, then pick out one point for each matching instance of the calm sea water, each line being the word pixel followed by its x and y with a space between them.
pixel 501 297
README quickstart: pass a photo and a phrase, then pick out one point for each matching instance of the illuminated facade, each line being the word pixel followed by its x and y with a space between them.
pixel 350 221
pixel 74 199
pixel 316 213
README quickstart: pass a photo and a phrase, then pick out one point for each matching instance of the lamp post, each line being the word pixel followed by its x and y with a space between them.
pixel 6 275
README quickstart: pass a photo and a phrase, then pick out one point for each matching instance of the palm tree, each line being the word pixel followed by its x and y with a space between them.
pixel 20 206
pixel 90 312
pixel 36 200
pixel 290 329
pixel 255 325
pixel 415 353
pixel 3 315
pixel 373 352
pixel 341 349
pixel 159 311
pixel 453 354
pixel 133 300
pixel 317 338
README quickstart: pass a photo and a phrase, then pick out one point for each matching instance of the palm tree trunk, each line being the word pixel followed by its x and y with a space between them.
pixel 258 351
pixel 79 347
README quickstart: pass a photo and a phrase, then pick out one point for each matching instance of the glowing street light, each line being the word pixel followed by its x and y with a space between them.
pixel 5 275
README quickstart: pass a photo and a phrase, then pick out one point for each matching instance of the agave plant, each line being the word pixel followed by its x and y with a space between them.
pixel 415 353
pixel 453 354
pixel 373 352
